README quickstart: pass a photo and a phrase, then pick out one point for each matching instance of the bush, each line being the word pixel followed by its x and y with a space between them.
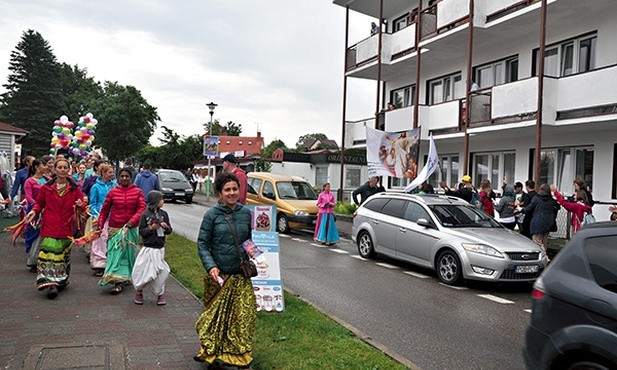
pixel 344 208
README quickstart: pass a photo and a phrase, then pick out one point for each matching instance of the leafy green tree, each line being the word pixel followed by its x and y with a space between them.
pixel 33 100
pixel 232 129
pixel 217 129
pixel 79 91
pixel 270 148
pixel 126 121
pixel 229 129
pixel 304 138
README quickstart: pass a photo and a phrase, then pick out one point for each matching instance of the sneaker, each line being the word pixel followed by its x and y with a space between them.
pixel 161 301
pixel 52 293
pixel 139 298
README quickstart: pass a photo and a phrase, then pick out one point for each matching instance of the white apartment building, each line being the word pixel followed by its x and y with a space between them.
pixel 550 119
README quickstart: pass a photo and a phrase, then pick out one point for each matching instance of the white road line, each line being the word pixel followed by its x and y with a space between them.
pixel 340 251
pixel 386 265
pixel 284 235
pixel 415 274
pixel 529 310
pixel 319 245
pixel 299 240
pixel 493 298
pixel 359 258
pixel 454 287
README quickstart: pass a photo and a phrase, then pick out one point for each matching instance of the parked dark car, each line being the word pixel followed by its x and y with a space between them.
pixel 574 319
pixel 175 186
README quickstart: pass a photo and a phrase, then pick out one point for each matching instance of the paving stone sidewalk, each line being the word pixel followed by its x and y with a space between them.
pixel 88 328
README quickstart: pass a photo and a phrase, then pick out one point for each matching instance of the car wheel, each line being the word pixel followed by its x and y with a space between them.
pixel 591 365
pixel 365 245
pixel 449 268
pixel 282 226
pixel 188 200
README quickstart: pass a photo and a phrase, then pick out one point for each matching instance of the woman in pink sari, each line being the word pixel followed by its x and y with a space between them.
pixel 325 230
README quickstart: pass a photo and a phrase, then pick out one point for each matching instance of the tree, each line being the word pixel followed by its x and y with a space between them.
pixel 270 148
pixel 79 91
pixel 300 144
pixel 33 100
pixel 232 129
pixel 126 121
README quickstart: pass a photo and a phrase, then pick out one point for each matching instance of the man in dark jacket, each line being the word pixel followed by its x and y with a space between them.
pixel 465 192
pixel 371 187
pixel 530 186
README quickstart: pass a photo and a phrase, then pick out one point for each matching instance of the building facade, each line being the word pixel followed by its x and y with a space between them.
pixel 471 73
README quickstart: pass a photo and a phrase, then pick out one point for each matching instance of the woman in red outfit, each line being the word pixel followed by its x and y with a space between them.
pixel 122 208
pixel 59 198
pixel 486 193
pixel 578 208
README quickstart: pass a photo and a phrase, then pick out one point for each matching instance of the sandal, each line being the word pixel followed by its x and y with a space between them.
pixel 116 289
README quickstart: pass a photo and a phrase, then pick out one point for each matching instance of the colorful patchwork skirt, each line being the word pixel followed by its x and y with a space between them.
pixel 227 325
pixel 54 264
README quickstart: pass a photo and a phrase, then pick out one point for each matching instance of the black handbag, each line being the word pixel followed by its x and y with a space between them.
pixel 247 267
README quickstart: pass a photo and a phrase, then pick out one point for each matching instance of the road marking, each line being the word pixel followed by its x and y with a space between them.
pixel 493 298
pixel 415 274
pixel 359 258
pixel 529 310
pixel 339 251
pixel 386 265
pixel 319 245
pixel 284 236
pixel 454 287
pixel 299 240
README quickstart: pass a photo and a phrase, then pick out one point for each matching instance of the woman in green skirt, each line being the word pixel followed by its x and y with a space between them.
pixel 61 199
pixel 227 325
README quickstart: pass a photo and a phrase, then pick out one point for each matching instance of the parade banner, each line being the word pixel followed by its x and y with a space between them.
pixel 267 285
pixel 432 163
pixel 392 154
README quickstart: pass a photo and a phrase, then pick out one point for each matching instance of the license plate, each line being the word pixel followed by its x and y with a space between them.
pixel 526 269
pixel 180 194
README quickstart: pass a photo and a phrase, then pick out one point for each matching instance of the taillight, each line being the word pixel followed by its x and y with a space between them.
pixel 537 294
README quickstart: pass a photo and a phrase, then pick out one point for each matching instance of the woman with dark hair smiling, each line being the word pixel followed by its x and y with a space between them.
pixel 59 198
pixel 227 325
pixel 122 208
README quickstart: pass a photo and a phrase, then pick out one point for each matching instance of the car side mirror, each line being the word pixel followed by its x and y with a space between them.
pixel 424 222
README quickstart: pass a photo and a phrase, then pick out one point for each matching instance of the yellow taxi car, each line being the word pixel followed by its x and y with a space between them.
pixel 294 198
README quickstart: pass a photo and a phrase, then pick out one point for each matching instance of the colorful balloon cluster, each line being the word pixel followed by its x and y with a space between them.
pixel 84 135
pixel 78 143
pixel 61 135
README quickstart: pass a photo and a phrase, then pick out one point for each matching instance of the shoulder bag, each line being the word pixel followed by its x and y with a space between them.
pixel 247 267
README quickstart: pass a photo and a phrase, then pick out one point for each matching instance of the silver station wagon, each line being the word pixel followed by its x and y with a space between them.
pixel 446 234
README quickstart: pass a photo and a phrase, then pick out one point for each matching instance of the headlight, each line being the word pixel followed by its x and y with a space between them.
pixel 189 190
pixel 301 213
pixel 166 189
pixel 483 249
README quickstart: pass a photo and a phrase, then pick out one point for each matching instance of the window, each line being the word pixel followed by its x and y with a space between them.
pixel 603 261
pixel 376 204
pixel 415 211
pixel 394 208
pixel 568 57
pixel 560 166
pixel 403 97
pixel 250 142
pixel 254 185
pixel 352 177
pixel 445 89
pixel 448 171
pixel 321 176
pixel 494 166
pixel 496 73
pixel 268 191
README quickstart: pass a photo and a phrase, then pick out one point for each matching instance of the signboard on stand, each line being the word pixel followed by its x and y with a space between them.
pixel 267 285
pixel 211 146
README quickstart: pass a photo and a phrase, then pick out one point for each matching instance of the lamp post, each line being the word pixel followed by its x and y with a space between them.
pixel 211 107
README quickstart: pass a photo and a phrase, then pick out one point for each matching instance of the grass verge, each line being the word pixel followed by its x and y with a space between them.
pixel 301 337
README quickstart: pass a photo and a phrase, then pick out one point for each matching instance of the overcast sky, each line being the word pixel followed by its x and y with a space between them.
pixel 274 64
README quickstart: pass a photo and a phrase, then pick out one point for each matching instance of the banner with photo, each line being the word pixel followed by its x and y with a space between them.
pixel 393 154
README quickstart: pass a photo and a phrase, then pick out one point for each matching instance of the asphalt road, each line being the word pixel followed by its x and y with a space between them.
pixel 401 308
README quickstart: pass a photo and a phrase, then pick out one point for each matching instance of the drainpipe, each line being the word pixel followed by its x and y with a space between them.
pixel 340 192
pixel 468 88
pixel 416 97
pixel 538 156
pixel 379 63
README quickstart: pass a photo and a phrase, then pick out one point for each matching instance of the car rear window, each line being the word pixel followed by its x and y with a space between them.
pixel 602 256
pixel 169 176
pixel 375 204
pixel 394 208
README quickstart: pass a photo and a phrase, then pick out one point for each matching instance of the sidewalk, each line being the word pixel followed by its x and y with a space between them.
pixel 86 327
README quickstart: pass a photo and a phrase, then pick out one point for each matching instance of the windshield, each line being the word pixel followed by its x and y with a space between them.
pixel 460 216
pixel 295 190
pixel 168 176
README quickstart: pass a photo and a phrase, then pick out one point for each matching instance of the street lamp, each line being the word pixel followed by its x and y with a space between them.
pixel 211 106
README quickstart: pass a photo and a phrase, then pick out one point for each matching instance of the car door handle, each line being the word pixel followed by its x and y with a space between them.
pixel 402 229
pixel 601 307
pixel 375 222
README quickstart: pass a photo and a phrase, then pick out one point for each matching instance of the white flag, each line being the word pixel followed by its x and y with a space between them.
pixel 431 165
